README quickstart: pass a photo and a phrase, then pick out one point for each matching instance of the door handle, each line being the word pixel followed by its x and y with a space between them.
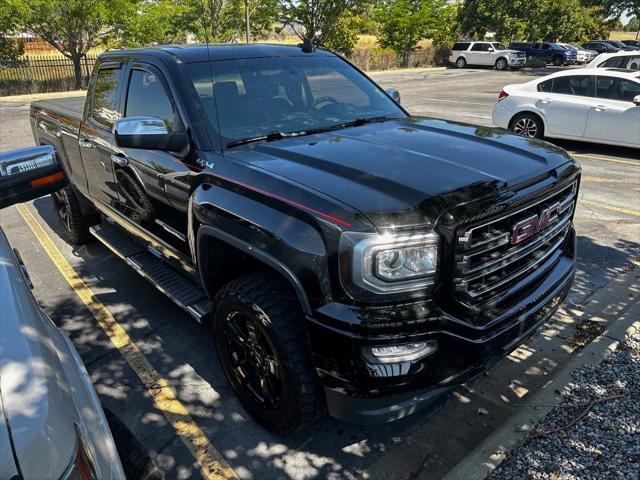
pixel 600 108
pixel 85 143
pixel 545 101
pixel 119 159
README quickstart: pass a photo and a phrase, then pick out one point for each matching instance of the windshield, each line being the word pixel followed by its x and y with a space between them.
pixel 259 96
pixel 499 46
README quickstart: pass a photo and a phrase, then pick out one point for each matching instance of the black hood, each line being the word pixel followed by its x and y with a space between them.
pixel 407 171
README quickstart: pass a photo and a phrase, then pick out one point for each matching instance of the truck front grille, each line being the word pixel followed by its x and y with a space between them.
pixel 499 254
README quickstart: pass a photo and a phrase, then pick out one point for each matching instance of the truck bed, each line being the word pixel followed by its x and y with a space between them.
pixel 71 107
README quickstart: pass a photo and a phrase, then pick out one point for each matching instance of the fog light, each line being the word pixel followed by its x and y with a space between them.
pixel 401 353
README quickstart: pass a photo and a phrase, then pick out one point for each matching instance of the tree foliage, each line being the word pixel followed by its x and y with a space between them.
pixel 550 20
pixel 403 23
pixel 73 27
pixel 9 49
pixel 329 23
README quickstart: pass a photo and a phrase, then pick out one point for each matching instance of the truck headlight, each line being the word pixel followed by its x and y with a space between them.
pixel 389 263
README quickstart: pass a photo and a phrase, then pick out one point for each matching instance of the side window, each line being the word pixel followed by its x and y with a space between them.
pixel 611 88
pixel 535 45
pixel 630 90
pixel 460 46
pixel 104 104
pixel 147 97
pixel 575 85
pixel 614 62
pixel 546 46
pixel 632 63
pixel 479 47
pixel 545 86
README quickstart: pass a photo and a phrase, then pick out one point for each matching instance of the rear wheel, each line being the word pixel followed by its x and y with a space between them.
pixel 528 125
pixel 261 343
pixel 501 64
pixel 74 224
pixel 461 63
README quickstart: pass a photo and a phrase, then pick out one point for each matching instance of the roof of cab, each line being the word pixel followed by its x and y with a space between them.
pixel 214 52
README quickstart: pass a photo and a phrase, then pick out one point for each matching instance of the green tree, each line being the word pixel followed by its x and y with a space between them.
pixel 541 20
pixel 73 27
pixel 403 23
pixel 329 23
pixel 9 48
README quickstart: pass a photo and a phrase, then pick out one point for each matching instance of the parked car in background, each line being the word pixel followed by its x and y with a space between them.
pixel 631 43
pixel 595 105
pixel 51 422
pixel 600 46
pixel 582 55
pixel 621 45
pixel 485 53
pixel 622 59
pixel 547 52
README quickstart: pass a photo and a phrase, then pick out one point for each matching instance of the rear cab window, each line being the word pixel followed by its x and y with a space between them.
pixel 104 101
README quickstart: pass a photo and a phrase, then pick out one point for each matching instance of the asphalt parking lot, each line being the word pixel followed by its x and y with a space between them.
pixel 429 443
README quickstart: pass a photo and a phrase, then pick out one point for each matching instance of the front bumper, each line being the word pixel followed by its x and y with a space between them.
pixel 359 391
pixel 517 61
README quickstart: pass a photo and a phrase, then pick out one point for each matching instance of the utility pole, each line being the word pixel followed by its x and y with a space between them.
pixel 246 18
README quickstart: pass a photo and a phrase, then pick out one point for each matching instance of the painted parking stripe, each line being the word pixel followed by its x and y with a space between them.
pixel 211 463
pixel 605 158
pixel 613 208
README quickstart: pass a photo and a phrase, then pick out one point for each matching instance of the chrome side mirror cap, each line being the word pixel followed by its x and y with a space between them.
pixel 29 173
pixel 393 93
pixel 149 133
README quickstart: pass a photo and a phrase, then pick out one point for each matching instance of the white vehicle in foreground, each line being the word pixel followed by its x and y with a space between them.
pixel 626 59
pixel 594 105
pixel 486 53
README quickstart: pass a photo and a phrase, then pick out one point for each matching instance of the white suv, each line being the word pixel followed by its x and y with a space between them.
pixel 629 60
pixel 486 53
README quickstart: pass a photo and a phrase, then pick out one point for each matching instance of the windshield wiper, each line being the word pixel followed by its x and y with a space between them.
pixel 278 135
pixel 267 137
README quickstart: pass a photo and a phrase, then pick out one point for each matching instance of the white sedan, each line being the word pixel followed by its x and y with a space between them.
pixel 594 105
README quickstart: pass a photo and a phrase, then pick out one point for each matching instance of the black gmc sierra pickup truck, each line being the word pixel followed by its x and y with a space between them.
pixel 347 255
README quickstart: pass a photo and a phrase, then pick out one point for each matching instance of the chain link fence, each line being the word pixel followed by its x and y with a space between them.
pixel 42 73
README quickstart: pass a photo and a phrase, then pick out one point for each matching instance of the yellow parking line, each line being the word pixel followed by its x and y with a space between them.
pixel 605 158
pixel 606 206
pixel 210 461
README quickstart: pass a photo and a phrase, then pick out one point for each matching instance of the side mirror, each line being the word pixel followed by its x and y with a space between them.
pixel 636 100
pixel 393 93
pixel 149 133
pixel 29 173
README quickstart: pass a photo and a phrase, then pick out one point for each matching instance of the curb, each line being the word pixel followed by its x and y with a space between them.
pixel 493 450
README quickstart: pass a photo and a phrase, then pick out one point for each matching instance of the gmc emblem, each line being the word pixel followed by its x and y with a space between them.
pixel 535 223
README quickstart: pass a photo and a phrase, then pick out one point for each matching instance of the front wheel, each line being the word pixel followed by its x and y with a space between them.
pixel 262 345
pixel 501 64
pixel 528 125
pixel 461 63
pixel 557 61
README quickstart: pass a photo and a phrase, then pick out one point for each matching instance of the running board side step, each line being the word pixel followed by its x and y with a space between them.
pixel 184 293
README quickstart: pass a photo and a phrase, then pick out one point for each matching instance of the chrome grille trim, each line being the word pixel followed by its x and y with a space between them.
pixel 486 260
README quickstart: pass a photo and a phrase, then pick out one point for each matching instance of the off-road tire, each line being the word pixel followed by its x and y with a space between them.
pixel 272 302
pixel 74 224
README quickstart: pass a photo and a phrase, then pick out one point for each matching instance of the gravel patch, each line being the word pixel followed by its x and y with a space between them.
pixel 600 442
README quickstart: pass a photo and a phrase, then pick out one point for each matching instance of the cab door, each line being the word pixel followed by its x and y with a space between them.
pixel 153 185
pixel 613 116
pixel 95 139
pixel 566 106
